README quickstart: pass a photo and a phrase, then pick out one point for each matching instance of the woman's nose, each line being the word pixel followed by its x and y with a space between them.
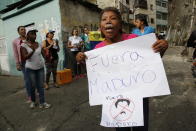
pixel 108 21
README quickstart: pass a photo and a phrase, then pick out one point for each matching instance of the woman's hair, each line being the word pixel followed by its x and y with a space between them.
pixel 48 34
pixel 73 31
pixel 142 19
pixel 116 11
pixel 28 35
pixel 113 9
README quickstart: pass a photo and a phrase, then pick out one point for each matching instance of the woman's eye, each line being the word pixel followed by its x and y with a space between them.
pixel 113 18
pixel 103 19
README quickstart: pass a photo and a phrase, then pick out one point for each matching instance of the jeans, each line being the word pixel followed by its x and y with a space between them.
pixel 146 118
pixel 26 80
pixel 36 78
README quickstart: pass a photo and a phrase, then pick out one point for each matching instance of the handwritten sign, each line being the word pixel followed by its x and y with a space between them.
pixel 123 110
pixel 126 66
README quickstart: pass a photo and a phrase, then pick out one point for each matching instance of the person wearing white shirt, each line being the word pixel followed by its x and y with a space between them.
pixel 74 44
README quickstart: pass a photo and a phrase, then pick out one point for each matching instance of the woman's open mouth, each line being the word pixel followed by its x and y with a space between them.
pixel 109 28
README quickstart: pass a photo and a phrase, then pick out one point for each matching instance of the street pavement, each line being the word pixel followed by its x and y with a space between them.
pixel 71 111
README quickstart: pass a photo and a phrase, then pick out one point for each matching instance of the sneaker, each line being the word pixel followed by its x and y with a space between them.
pixel 77 77
pixel 82 75
pixel 32 105
pixel 46 86
pixel 44 105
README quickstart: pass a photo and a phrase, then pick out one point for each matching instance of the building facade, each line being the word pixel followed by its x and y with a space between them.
pixel 59 15
pixel 161 15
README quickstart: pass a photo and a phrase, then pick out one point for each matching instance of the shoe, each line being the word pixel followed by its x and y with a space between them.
pixel 46 86
pixel 82 76
pixel 56 85
pixel 28 100
pixel 44 105
pixel 76 77
pixel 32 105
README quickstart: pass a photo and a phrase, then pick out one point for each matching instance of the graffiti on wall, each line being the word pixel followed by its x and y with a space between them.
pixel 3 47
pixel 49 24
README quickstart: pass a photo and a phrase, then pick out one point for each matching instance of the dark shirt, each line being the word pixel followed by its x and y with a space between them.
pixel 53 51
pixel 192 40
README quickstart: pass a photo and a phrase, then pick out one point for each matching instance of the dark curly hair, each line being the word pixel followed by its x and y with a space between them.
pixel 116 11
pixel 21 26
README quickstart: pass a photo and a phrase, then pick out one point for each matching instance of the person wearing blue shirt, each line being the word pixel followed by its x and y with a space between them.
pixel 142 27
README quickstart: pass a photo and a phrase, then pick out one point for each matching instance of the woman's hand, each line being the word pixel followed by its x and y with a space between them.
pixel 80 57
pixel 160 46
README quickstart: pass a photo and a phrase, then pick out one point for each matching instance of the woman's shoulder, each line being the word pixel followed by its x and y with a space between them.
pixel 135 30
pixel 150 28
pixel 70 37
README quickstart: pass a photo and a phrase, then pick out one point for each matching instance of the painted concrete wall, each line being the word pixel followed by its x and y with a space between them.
pixel 45 17
pixel 4 3
pixel 74 14
pixel 105 3
pixel 4 63
pixel 1 28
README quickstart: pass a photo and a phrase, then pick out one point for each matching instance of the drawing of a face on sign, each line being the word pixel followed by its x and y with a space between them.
pixel 122 110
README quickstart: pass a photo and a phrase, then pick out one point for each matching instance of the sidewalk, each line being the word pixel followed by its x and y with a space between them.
pixel 71 111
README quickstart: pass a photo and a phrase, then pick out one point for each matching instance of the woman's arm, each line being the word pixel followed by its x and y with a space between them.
pixel 44 45
pixel 69 44
pixel 25 54
pixel 57 44
pixel 80 57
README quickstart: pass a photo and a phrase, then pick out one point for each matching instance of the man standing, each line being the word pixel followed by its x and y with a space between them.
pixel 192 42
pixel 20 62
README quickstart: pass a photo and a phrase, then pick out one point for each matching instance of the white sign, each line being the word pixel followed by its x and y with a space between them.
pixel 122 111
pixel 124 67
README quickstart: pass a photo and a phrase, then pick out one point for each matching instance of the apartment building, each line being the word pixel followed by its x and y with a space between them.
pixel 161 15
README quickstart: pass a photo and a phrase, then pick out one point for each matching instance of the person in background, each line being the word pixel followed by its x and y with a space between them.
pixel 86 47
pixel 85 39
pixel 111 29
pixel 20 62
pixel 192 43
pixel 51 49
pixel 32 53
pixel 142 27
pixel 75 44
